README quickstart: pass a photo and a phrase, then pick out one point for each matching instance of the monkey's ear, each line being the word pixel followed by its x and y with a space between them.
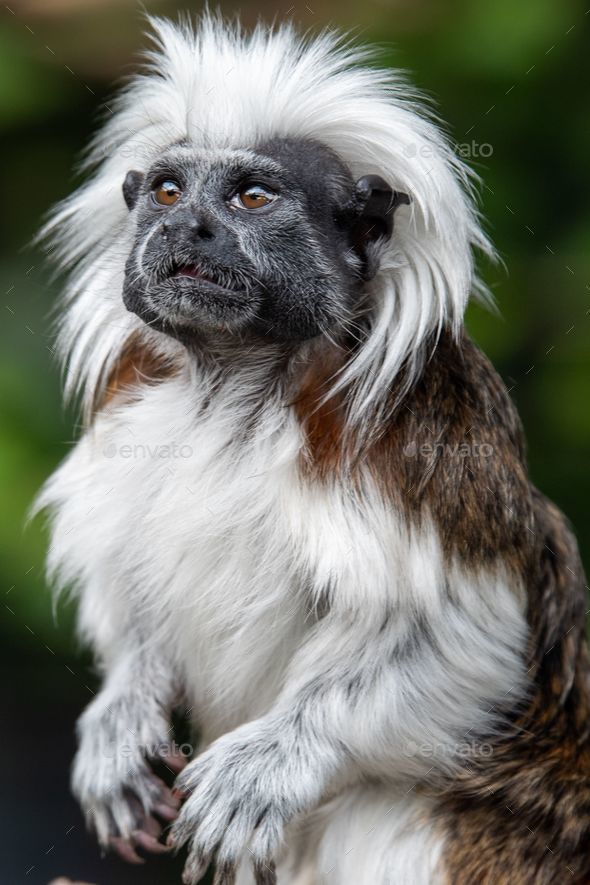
pixel 374 204
pixel 131 187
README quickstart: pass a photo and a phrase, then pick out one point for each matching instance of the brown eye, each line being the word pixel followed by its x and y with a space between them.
pixel 167 193
pixel 254 196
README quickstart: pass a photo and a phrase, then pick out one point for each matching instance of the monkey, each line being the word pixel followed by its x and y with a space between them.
pixel 299 509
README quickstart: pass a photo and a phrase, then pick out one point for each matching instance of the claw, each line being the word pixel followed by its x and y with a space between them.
pixel 125 850
pixel 174 760
pixel 171 797
pixel 165 811
pixel 149 843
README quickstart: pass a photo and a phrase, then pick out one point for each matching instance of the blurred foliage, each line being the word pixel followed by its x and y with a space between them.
pixel 510 79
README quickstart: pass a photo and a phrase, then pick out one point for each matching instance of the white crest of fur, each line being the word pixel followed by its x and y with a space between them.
pixel 222 88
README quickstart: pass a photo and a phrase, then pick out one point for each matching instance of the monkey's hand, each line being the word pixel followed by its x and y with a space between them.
pixel 122 798
pixel 242 791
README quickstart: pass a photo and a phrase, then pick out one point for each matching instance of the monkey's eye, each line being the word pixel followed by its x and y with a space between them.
pixel 253 196
pixel 166 193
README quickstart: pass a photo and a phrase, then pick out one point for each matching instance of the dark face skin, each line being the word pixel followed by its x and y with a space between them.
pixel 275 242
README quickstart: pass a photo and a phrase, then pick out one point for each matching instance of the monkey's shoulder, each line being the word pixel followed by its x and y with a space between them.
pixel 460 394
pixel 454 450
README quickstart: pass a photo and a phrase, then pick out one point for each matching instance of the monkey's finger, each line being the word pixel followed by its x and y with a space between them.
pixel 265 841
pixel 195 867
pixel 125 850
pixel 174 760
pixel 167 796
pixel 152 826
pixel 225 873
pixel 165 812
pixel 265 873
pixel 63 881
pixel 144 840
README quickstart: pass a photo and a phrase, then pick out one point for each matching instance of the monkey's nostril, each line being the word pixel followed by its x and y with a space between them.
pixel 201 230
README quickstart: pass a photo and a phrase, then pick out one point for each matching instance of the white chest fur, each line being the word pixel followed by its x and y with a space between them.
pixel 180 518
pixel 171 525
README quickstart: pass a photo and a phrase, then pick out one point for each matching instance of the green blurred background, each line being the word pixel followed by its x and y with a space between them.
pixel 511 80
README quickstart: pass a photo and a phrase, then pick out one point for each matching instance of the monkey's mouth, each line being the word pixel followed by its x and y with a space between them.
pixel 194 272
pixel 184 297
pixel 197 273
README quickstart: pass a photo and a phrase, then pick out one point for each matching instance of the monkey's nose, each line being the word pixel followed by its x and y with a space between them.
pixel 196 227
pixel 201 230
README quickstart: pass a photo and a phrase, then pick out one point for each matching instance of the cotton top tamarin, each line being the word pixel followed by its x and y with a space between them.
pixel 300 509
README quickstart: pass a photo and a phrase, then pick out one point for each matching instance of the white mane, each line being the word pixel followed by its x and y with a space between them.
pixel 221 87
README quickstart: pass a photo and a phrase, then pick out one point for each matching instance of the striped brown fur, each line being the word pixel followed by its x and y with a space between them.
pixel 428 457
pixel 138 365
pixel 520 815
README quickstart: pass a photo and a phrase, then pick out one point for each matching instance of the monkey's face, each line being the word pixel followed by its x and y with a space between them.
pixel 276 241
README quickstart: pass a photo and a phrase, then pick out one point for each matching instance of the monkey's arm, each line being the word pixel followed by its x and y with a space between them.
pixel 368 693
pixel 124 729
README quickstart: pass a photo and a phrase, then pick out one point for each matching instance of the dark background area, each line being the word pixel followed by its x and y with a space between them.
pixel 511 80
